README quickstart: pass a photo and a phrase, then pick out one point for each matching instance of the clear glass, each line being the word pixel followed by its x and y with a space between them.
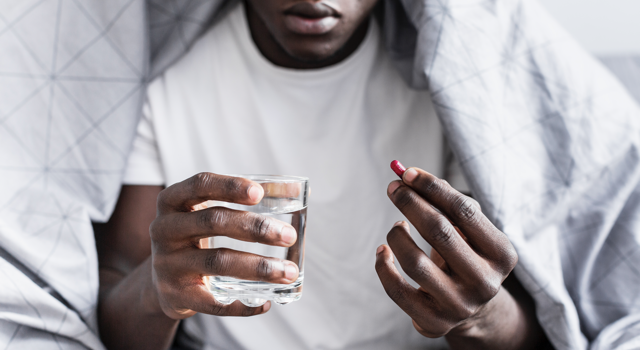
pixel 285 199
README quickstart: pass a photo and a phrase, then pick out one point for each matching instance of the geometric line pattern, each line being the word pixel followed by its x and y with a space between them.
pixel 548 139
pixel 71 90
pixel 550 144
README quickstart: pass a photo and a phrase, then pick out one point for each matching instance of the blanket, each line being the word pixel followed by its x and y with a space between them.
pixel 548 140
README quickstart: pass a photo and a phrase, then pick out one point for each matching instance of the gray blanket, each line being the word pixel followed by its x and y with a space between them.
pixel 548 139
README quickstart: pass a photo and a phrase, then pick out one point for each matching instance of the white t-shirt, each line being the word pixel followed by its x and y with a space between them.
pixel 224 108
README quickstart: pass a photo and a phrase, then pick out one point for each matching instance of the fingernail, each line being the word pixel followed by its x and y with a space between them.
pixel 288 235
pixel 399 223
pixel 392 187
pixel 410 175
pixel 290 272
pixel 379 250
pixel 266 306
pixel 255 192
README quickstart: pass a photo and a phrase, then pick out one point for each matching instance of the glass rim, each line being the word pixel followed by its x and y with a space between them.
pixel 261 178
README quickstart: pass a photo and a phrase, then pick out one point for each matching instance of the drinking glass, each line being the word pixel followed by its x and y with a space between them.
pixel 285 199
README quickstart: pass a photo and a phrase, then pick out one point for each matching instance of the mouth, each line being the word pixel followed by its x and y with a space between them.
pixel 311 18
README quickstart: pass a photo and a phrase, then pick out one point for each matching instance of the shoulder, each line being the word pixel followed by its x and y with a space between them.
pixel 196 66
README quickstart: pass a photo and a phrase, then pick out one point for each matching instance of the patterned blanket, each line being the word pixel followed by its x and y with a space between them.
pixel 548 139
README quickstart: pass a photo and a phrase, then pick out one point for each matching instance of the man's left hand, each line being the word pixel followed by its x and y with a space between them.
pixel 460 294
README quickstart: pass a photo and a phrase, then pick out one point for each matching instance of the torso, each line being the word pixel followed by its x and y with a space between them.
pixel 223 108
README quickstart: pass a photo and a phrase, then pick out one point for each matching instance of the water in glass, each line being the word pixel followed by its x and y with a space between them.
pixel 285 199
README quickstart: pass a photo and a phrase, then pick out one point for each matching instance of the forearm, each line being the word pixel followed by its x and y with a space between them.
pixel 129 313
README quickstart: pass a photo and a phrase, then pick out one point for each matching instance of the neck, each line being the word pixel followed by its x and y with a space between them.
pixel 274 52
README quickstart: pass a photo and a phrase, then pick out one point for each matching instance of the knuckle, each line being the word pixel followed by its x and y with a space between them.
pixel 443 232
pixel 211 219
pixel 260 228
pixel 217 261
pixel 163 201
pixel 232 184
pixel 434 186
pixel 463 311
pixel 154 229
pixel 510 258
pixel 264 269
pixel 506 260
pixel 396 294
pixel 403 198
pixel 475 202
pixel 419 268
pixel 162 197
pixel 164 231
pixel 463 209
pixel 200 182
pixel 159 263
pixel 488 289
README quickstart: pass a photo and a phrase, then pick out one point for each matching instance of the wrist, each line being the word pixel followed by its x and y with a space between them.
pixel 149 296
pixel 501 323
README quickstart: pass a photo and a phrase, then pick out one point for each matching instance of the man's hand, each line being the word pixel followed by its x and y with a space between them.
pixel 460 294
pixel 178 262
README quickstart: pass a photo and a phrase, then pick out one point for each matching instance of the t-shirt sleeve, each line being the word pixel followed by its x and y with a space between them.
pixel 144 166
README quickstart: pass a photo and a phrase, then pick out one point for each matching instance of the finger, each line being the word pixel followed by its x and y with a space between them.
pixel 282 189
pixel 294 251
pixel 438 260
pixel 417 265
pixel 202 187
pixel 435 229
pixel 199 299
pixel 409 299
pixel 220 221
pixel 237 264
pixel 463 212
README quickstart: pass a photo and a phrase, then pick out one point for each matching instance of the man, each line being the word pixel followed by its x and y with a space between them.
pixel 547 139
pixel 301 87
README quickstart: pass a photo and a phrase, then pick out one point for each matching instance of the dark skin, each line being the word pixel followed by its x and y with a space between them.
pixel 461 293
pixel 289 49
pixel 152 263
pixel 140 306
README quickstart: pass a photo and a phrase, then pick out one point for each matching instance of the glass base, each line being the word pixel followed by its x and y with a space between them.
pixel 226 290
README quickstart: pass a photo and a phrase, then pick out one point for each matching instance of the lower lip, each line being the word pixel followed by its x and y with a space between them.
pixel 310 26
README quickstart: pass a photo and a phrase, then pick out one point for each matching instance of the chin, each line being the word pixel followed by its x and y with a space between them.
pixel 315 53
pixel 311 57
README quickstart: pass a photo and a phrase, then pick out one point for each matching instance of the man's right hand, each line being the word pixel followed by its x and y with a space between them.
pixel 178 261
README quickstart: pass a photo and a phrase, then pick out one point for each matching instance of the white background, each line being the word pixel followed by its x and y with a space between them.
pixel 604 27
